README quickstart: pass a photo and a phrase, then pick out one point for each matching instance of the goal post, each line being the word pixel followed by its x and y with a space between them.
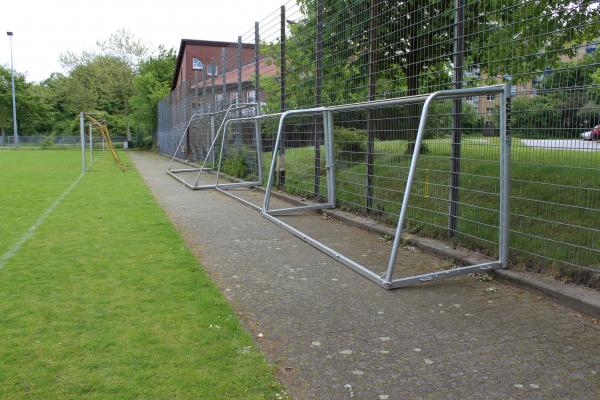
pixel 387 279
pixel 214 138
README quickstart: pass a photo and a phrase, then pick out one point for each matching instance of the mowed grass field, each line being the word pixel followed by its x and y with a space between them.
pixel 555 196
pixel 105 301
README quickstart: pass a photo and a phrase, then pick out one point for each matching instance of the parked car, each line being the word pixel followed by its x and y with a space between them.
pixel 594 134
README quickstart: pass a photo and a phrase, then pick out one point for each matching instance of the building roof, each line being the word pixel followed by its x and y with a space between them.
pixel 213 43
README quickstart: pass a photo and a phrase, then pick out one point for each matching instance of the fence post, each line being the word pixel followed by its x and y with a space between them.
pixel 257 125
pixel 459 45
pixel 318 100
pixel 203 107
pixel 212 81
pixel 257 66
pixel 374 6
pixel 239 63
pixel 91 144
pixel 282 73
pixel 224 73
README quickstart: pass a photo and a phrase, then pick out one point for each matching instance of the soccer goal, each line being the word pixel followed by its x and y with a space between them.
pixel 196 154
pixel 326 115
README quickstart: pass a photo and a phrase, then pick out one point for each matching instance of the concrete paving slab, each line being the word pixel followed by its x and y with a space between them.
pixel 335 335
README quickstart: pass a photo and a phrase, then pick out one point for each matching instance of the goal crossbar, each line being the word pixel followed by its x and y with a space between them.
pixel 387 280
pixel 200 169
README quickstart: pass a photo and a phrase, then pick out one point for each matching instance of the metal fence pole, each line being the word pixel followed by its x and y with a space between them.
pixel 224 74
pixel 204 108
pixel 82 138
pixel 505 167
pixel 318 86
pixel 459 45
pixel 372 90
pixel 329 155
pixel 212 82
pixel 257 66
pixel 239 64
pixel 282 99
pixel 91 144
pixel 212 135
pixel 257 125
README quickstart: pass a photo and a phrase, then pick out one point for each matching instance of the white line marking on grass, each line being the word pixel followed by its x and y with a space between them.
pixel 17 246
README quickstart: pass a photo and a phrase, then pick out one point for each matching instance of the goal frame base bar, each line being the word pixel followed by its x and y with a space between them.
pixel 387 279
pixel 215 137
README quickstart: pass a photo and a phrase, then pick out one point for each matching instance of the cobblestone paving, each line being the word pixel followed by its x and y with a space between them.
pixel 334 335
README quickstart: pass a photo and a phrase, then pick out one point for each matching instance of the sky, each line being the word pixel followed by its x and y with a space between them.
pixel 43 29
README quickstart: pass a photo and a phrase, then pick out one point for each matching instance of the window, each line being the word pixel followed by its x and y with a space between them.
pixel 490 110
pixel 212 70
pixel 197 64
pixel 251 96
pixel 490 97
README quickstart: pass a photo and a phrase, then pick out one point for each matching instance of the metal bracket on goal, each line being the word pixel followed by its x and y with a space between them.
pixel 200 169
pixel 387 280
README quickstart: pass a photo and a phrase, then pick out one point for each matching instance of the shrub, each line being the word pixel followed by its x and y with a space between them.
pixel 538 115
pixel 349 140
pixel 235 166
pixel 48 141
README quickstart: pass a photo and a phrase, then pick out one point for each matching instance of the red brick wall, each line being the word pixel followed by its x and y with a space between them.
pixel 206 54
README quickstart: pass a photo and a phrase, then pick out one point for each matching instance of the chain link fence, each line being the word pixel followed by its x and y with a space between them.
pixel 321 52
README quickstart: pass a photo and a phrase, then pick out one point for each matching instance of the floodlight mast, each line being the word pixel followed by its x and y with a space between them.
pixel 14 101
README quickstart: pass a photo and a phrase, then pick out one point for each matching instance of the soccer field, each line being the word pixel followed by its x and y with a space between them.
pixel 101 298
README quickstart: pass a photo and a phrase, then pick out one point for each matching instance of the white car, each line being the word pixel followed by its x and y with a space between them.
pixel 586 135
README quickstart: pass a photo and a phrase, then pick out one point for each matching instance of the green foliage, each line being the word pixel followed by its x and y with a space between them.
pixel 440 119
pixel 348 141
pixel 534 115
pixel 235 166
pixel 151 85
pixel 33 113
pixel 119 80
pixel 48 141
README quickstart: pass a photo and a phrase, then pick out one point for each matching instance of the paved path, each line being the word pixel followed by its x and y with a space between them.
pixel 334 335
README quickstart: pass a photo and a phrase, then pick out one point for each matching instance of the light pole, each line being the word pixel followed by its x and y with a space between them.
pixel 14 102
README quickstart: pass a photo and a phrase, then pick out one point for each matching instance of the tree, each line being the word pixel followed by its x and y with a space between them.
pixel 151 85
pixel 34 115
pixel 414 44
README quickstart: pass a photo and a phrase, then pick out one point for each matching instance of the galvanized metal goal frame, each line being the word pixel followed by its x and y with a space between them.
pixel 386 280
pixel 215 137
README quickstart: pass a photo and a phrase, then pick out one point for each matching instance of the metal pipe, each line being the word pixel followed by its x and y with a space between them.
pixel 82 138
pixel 329 157
pixel 505 145
pixel 231 107
pixel 14 100
pixel 413 164
pixel 257 66
pixel 91 144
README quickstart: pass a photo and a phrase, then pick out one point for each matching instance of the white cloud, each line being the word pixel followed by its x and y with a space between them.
pixel 45 29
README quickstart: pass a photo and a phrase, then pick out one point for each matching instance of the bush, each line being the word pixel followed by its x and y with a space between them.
pixel 538 115
pixel 235 166
pixel 48 141
pixel 440 120
pixel 349 140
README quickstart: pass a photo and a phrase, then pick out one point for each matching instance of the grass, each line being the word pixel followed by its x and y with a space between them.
pixel 105 300
pixel 554 203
